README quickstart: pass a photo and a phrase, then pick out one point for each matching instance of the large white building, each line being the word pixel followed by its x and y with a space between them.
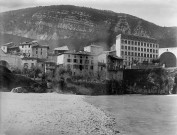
pixel 132 48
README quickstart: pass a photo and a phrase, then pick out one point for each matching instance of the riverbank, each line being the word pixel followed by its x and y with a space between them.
pixel 140 114
pixel 52 113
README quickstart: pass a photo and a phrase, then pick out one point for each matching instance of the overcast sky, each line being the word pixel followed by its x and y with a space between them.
pixel 160 12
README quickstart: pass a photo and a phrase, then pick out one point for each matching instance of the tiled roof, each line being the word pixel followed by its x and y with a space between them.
pixel 138 38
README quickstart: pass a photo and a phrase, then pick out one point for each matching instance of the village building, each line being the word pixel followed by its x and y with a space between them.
pixel 10 48
pixel 94 49
pixel 33 49
pixel 110 66
pixel 80 63
pixel 135 48
pixel 61 49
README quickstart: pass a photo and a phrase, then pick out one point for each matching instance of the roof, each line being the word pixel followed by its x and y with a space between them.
pixel 62 48
pixel 80 53
pixel 33 58
pixel 40 46
pixel 115 57
pixel 138 38
pixel 8 44
pixel 95 46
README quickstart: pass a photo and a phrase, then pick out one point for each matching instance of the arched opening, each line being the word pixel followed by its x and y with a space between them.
pixel 169 59
pixel 4 63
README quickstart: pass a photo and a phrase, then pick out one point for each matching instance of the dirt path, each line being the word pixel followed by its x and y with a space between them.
pixel 51 113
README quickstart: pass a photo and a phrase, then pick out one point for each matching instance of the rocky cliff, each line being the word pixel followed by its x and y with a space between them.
pixel 80 26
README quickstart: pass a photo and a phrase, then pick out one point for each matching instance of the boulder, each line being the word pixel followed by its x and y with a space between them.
pixel 19 90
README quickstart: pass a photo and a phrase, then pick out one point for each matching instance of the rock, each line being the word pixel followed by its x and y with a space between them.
pixel 19 90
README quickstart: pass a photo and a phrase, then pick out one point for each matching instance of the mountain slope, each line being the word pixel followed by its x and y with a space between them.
pixel 79 26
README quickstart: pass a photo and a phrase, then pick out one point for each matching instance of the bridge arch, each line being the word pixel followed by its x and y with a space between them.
pixel 168 56
pixel 169 59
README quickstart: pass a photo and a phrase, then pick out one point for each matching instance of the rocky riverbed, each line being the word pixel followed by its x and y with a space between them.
pixel 52 113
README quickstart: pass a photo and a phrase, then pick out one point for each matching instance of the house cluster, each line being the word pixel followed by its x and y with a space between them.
pixel 93 60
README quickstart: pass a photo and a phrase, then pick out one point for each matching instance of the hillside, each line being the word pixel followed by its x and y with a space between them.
pixel 79 26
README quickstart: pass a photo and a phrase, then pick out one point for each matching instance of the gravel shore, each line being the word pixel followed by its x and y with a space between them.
pixel 52 114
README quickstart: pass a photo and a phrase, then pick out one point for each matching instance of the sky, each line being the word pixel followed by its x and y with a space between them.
pixel 160 12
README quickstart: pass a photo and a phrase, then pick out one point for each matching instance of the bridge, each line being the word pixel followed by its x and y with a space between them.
pixel 168 56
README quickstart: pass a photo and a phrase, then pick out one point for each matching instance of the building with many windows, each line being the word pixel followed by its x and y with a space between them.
pixel 134 48
pixel 80 63
pixel 110 66
pixel 33 49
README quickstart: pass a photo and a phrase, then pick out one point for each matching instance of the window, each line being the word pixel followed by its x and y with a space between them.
pixel 132 43
pixel 68 60
pixel 148 55
pixel 126 47
pixel 86 66
pixel 145 49
pixel 122 47
pixel 125 41
pixel 135 43
pixel 81 57
pixel 132 48
pixel 150 50
pixel 142 49
pixel 29 46
pixel 135 48
pixel 153 51
pixel 81 61
pixel 138 54
pixel 144 55
pixel 156 51
pixel 138 49
pixel 122 52
pixel 74 56
pixel 141 43
pixel 128 53
pixel 69 56
pixel 138 43
pixel 132 53
pixel 86 61
pixel 91 67
pixel 150 45
pixel 125 53
pixel 141 54
pixel 135 54
pixel 122 41
pixel 75 60
pixel 145 44
pixel 129 42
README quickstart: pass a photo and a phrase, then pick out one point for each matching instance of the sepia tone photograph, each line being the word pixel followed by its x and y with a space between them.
pixel 88 67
